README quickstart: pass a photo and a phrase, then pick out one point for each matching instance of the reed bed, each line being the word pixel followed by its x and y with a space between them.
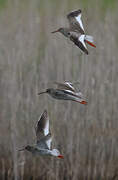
pixel 31 58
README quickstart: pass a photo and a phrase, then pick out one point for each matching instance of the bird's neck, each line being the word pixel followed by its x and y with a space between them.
pixel 65 32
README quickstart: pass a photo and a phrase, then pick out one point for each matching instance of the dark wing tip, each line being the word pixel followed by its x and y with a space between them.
pixel 41 122
pixel 74 13
pixel 79 44
pixel 45 113
pixel 86 52
pixel 43 117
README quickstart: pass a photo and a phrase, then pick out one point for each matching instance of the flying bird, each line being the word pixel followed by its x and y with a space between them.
pixel 75 32
pixel 43 139
pixel 65 91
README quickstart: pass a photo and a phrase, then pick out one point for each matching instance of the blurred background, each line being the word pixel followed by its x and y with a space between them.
pixel 31 59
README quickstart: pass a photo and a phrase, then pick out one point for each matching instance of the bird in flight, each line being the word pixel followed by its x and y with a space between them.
pixel 75 32
pixel 43 139
pixel 65 91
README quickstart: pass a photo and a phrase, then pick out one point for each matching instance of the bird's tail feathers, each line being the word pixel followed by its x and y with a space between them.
pixel 89 40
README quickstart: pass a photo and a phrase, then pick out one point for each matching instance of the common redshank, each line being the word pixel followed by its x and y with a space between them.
pixel 75 32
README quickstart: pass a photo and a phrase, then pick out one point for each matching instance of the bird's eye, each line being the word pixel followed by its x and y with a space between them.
pixel 68 33
pixel 56 93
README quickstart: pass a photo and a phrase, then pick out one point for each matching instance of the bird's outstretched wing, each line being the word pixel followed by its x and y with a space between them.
pixel 75 21
pixel 79 41
pixel 78 97
pixel 65 86
pixel 45 142
pixel 42 126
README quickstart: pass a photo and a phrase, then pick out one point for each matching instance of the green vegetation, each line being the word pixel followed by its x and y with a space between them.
pixel 3 3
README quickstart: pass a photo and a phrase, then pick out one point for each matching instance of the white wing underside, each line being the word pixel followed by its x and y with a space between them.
pixel 89 38
pixel 77 96
pixel 48 142
pixel 70 85
pixel 81 39
pixel 46 129
pixel 78 18
pixel 46 132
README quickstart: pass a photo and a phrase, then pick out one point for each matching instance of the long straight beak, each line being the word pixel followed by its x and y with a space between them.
pixel 41 92
pixel 55 31
pixel 21 149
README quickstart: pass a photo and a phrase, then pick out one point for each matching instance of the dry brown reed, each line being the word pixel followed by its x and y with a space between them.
pixel 31 58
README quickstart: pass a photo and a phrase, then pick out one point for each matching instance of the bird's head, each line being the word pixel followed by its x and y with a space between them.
pixel 55 152
pixel 64 31
pixel 28 148
pixel 49 91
